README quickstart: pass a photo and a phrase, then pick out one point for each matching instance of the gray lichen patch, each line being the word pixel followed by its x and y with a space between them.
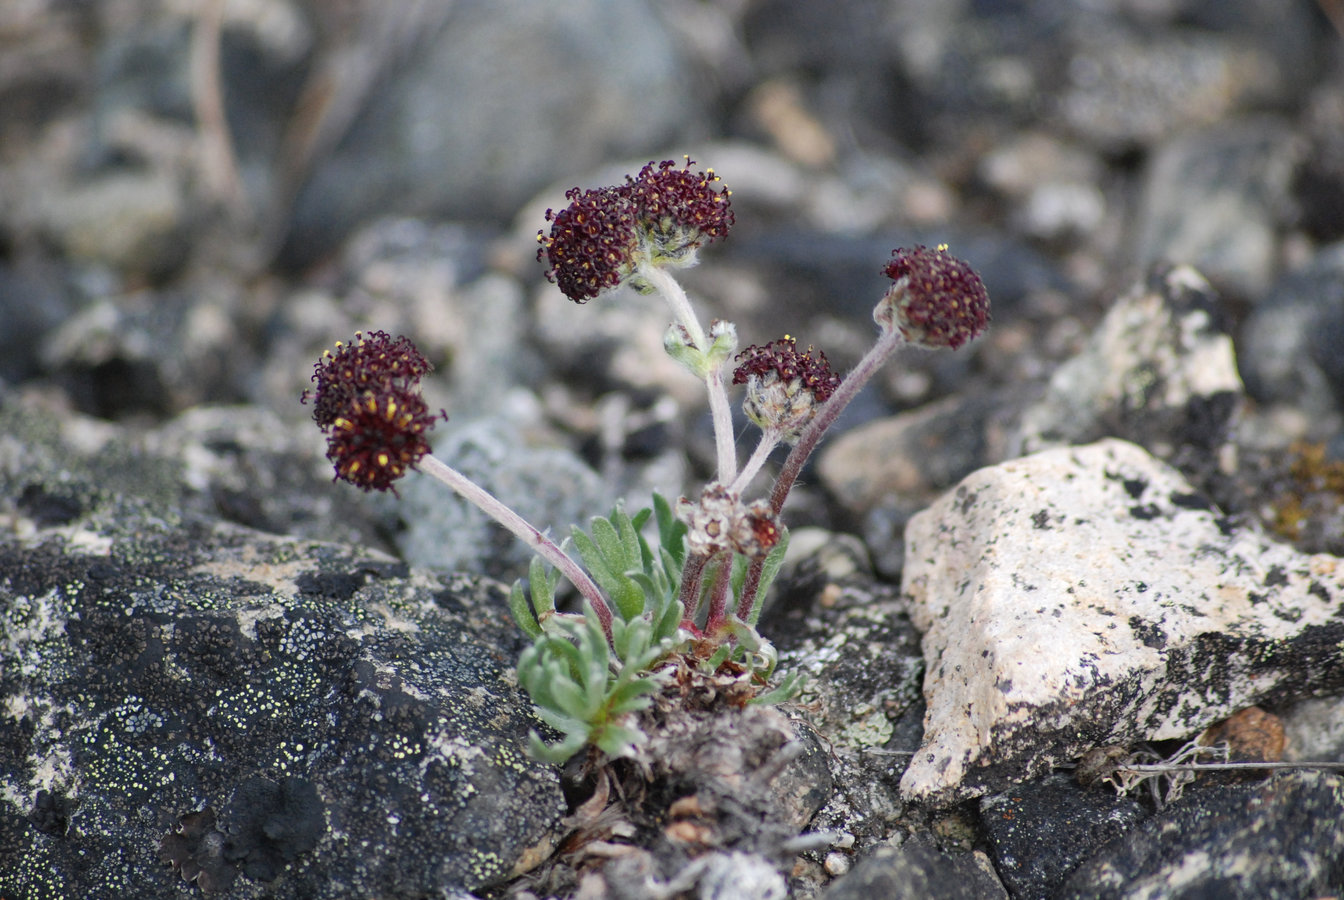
pixel 352 727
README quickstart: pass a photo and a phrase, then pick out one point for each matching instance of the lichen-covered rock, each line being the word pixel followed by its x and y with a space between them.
pixel 1088 596
pixel 1278 839
pixel 263 716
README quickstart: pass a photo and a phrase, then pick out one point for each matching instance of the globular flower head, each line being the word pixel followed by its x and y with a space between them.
pixel 679 210
pixel 367 401
pixel 937 300
pixel 659 217
pixel 369 362
pixel 785 388
pixel 592 244
pixel 379 438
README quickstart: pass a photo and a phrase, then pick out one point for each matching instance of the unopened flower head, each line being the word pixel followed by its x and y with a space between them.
pixel 379 438
pixel 659 217
pixel 937 300
pixel 785 388
pixel 719 521
pixel 367 401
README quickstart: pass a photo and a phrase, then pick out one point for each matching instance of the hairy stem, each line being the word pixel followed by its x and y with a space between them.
pixel 692 576
pixel 770 438
pixel 879 353
pixel 721 412
pixel 540 544
pixel 718 595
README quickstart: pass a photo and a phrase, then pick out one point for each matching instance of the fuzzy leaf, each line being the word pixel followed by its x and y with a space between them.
pixel 671 533
pixel 556 754
pixel 522 611
pixel 788 688
pixel 619 740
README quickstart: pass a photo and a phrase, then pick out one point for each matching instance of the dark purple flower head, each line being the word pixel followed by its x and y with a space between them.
pixel 784 387
pixel 937 300
pixel 367 401
pixel 679 209
pixel 592 242
pixel 369 362
pixel 659 217
pixel 380 437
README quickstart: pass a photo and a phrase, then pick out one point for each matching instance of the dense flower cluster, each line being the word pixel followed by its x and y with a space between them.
pixel 369 362
pixel 367 401
pixel 937 300
pixel 660 216
pixel 784 387
pixel 592 242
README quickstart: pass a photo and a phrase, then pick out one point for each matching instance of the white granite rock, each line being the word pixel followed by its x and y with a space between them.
pixel 1087 596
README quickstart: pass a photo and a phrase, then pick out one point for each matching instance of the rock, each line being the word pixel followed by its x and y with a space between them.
pixel 1055 186
pixel 505 99
pixel 912 457
pixel 293 718
pixel 547 485
pixel 1157 371
pixel 1084 597
pixel 1040 832
pixel 917 869
pixel 1215 199
pixel 850 636
pixel 1279 839
pixel 1290 346
pixel 1125 88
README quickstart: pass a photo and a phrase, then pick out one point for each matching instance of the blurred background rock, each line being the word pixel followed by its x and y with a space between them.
pixel 198 196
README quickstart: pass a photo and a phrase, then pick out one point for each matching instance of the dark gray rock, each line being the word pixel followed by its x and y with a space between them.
pixel 1042 831
pixel 1279 839
pixel 503 100
pixel 272 717
pixel 1216 199
pixel 1292 344
pixel 916 870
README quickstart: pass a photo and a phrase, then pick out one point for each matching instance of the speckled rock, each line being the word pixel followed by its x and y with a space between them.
pixel 1087 596
pixel 1157 371
pixel 851 636
pixel 1280 839
pixel 263 716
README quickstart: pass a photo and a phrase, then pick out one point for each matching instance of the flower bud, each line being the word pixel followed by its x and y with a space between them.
pixel 785 388
pixel 937 300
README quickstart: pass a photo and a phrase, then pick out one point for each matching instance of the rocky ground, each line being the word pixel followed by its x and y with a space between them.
pixel 1107 535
